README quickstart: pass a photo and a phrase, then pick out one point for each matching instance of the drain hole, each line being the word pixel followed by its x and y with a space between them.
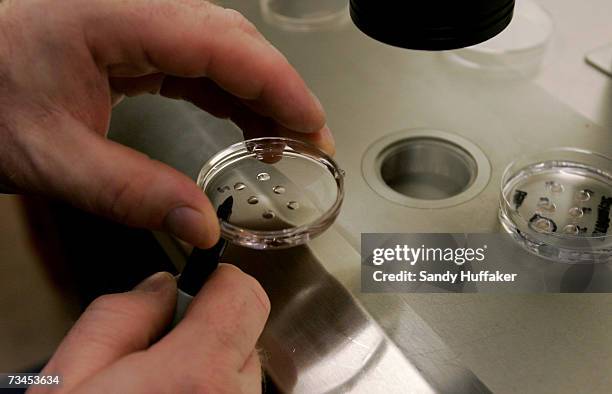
pixel 427 168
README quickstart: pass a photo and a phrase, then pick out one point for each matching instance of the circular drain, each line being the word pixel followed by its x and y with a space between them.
pixel 423 168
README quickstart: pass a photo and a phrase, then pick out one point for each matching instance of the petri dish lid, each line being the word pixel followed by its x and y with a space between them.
pixel 519 48
pixel 285 192
pixel 305 16
pixel 557 204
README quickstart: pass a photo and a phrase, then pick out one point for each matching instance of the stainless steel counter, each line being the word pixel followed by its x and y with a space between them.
pixel 579 28
pixel 324 334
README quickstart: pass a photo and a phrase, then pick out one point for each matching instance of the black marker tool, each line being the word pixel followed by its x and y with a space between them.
pixel 200 265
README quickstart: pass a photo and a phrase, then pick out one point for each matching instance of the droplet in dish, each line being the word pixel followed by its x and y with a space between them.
pixel 279 189
pixel 542 224
pixel 253 200
pixel 239 186
pixel 571 229
pixel 584 195
pixel 293 205
pixel 269 215
pixel 554 187
pixel 264 176
pixel 576 212
pixel 545 204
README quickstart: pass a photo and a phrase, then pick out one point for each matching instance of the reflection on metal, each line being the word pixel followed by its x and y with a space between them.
pixel 305 15
pixel 601 59
pixel 424 168
pixel 318 338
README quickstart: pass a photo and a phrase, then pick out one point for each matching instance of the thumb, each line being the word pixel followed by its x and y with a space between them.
pixel 107 178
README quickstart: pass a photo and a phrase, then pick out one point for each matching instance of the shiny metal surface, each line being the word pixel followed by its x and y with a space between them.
pixel 554 343
pixel 601 59
pixel 318 339
pixel 424 168
pixel 427 169
pixel 579 28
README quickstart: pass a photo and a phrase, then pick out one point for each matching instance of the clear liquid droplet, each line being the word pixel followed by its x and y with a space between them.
pixel 269 215
pixel 554 187
pixel 543 225
pixel 571 229
pixel 253 200
pixel 545 204
pixel 223 189
pixel 239 186
pixel 583 195
pixel 279 189
pixel 264 176
pixel 293 205
pixel 576 212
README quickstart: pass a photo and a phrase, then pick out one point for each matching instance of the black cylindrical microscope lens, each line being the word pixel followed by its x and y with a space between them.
pixel 431 24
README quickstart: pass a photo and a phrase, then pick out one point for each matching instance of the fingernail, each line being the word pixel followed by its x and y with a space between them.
pixel 155 282
pixel 189 225
pixel 317 101
pixel 328 140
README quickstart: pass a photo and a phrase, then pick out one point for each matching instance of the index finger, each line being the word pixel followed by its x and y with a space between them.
pixel 194 38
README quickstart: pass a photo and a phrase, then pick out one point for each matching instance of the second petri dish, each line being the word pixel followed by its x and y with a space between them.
pixel 284 192
pixel 305 15
pixel 557 205
pixel 520 48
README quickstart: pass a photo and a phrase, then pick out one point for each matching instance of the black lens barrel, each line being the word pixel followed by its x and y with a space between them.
pixel 431 24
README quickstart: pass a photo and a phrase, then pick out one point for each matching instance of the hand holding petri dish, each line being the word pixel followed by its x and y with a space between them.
pixel 285 192
pixel 557 205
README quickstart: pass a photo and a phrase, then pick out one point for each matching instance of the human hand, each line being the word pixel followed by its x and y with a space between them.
pixel 114 346
pixel 63 65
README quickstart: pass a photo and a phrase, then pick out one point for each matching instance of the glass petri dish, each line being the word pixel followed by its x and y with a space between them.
pixel 520 48
pixel 557 205
pixel 285 192
pixel 305 16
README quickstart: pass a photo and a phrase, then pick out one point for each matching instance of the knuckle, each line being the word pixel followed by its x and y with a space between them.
pixel 259 296
pixel 116 200
pixel 105 314
pixel 173 8
pixel 249 289
pixel 240 22
pixel 98 319
pixel 119 305
pixel 196 4
pixel 118 197
pixel 106 302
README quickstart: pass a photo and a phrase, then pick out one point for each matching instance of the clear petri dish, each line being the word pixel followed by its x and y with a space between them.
pixel 305 16
pixel 519 49
pixel 557 204
pixel 285 192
